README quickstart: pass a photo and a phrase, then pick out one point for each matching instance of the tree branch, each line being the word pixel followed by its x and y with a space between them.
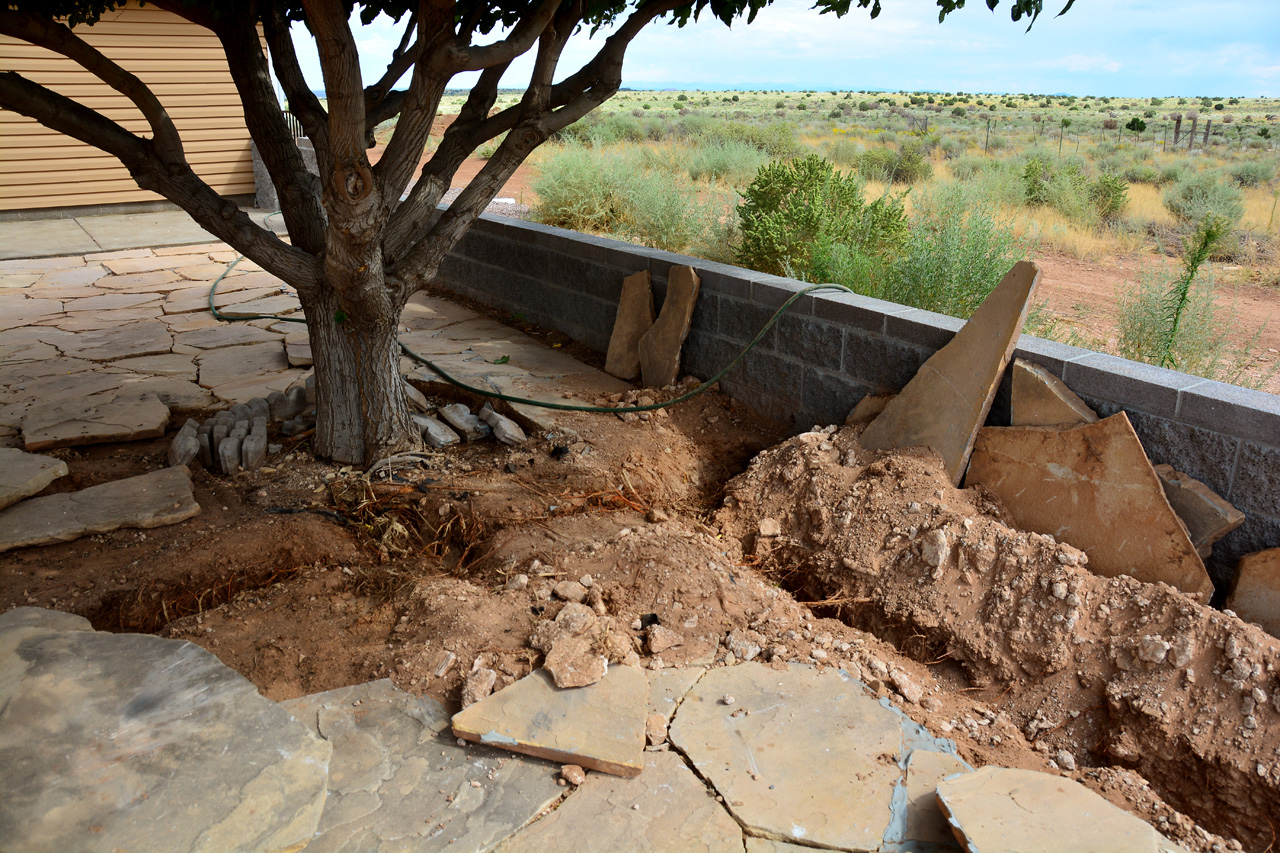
pixel 61 40
pixel 522 37
pixel 302 101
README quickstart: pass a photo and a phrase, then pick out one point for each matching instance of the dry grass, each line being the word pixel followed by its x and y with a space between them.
pixel 1145 206
pixel 1261 211
pixel 1051 231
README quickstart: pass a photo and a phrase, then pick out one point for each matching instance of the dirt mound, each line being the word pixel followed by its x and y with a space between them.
pixel 1094 671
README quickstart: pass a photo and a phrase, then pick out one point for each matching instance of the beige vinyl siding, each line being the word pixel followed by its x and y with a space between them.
pixel 182 64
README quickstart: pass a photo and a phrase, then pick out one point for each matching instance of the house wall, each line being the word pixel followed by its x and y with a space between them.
pixel 184 66
pixel 830 349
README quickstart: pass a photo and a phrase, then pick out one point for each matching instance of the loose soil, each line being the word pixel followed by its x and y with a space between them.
pixel 305 577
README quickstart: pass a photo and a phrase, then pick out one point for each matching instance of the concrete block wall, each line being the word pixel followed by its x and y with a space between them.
pixel 831 348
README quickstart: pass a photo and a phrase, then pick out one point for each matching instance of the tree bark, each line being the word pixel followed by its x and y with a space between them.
pixel 361 412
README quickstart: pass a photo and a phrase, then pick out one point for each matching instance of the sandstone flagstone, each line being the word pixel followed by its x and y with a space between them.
pixel 166 364
pixel 121 415
pixel 113 301
pixel 25 474
pixel 395 786
pixel 666 808
pixel 1092 487
pixel 134 339
pixel 660 345
pixel 635 317
pixel 668 687
pixel 235 364
pixel 1207 515
pixel 148 500
pixel 599 727
pixel 1038 398
pixel 133 742
pixel 1000 810
pixel 96 321
pixel 18 310
pixel 948 399
pixel 225 335
pixel 925 823
pixel 1256 594
pixel 768 845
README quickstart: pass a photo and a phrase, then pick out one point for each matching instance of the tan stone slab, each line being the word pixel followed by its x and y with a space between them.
pixel 598 727
pixel 123 415
pixel 28 351
pixel 25 474
pixel 196 249
pixel 202 272
pixel 135 339
pixel 18 280
pixel 258 385
pixel 18 310
pixel 43 381
pixel 800 755
pixel 156 281
pixel 281 303
pixel 477 329
pixel 73 276
pixel 666 808
pixel 197 298
pixel 30 264
pixel 1256 595
pixel 113 301
pixel 768 845
pixel 869 407
pixel 394 786
pixel 1038 398
pixel 181 395
pixel 179 323
pixel 1091 486
pixel 234 364
pixel 149 500
pixel 668 687
pixel 1207 515
pixel 998 810
pixel 925 821
pixel 948 399
pixel 120 254
pixel 660 345
pixel 95 321
pixel 70 293
pixel 298 353
pixel 225 335
pixel 168 364
pixel 115 742
pixel 144 263
pixel 635 317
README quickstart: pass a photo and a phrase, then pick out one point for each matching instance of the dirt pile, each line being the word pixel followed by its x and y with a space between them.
pixel 1095 670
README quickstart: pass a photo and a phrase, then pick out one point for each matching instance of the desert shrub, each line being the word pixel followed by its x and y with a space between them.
pixel 583 188
pixel 1110 195
pixel 1195 196
pixel 1252 173
pixel 965 168
pixel 951 148
pixel 908 165
pixel 792 207
pixel 1142 174
pixel 777 139
pixel 843 150
pixel 727 160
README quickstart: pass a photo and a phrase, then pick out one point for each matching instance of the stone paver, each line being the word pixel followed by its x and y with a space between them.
pixel 666 808
pixel 121 415
pixel 635 317
pixel 1091 486
pixel 660 345
pixel 948 399
pixel 1207 515
pixel 1038 398
pixel 599 727
pixel 1256 594
pixel 225 335
pixel 25 474
pixel 998 810
pixel 134 742
pixel 135 339
pixel 399 782
pixel 235 364
pixel 44 237
pixel 668 687
pixel 148 500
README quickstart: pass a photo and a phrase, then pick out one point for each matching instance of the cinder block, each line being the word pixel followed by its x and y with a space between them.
pixel 722 278
pixel 1137 386
pixel 1253 415
pixel 706 313
pixel 741 321
pixel 925 329
pixel 1050 355
pixel 1257 484
pixel 808 340
pixel 884 364
pixel 704 354
pixel 1208 456
pixel 855 310
pixel 828 397
pixel 772 375
pixel 774 290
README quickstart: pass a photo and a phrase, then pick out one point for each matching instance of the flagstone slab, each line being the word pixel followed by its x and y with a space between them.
pixel 281 303
pixel 122 415
pixel 299 353
pixel 999 810
pixel 72 276
pixel 135 339
pixel 768 845
pixel 18 280
pixel 1092 487
pixel 197 249
pixel 762 750
pixel 948 399
pixel 25 474
pixel 635 317
pixel 1255 597
pixel 133 742
pixel 598 727
pixel 149 500
pixel 665 808
pixel 1038 398
pixel 1207 515
pixel 17 310
pixel 156 281
pixel 176 392
pixel 203 271
pixel 926 824
pixel 244 389
pixel 234 364
pixel 113 301
pixel 197 298
pixel 93 321
pixel 399 782
pixel 659 347
pixel 668 687
pixel 225 335
pixel 167 364
pixel 72 293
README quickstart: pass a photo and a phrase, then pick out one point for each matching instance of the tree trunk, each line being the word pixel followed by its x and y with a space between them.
pixel 361 411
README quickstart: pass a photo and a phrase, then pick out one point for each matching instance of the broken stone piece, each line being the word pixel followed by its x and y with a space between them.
pixel 1207 515
pixel 229 454
pixel 770 527
pixel 574 661
pixel 600 727
pixel 635 317
pixel 1038 398
pixel 504 429
pixel 926 824
pixel 660 346
pixel 868 408
pixel 1092 487
pixel 744 644
pixel 120 415
pixel 659 638
pixel 1256 595
pixel 478 684
pixel 415 397
pixel 435 433
pixel 575 618
pixel 460 418
pixel 655 729
pixel 573 774
pixel 148 500
pixel 999 810
pixel 253 451
pixel 25 474
pixel 946 402
pixel 571 591
pixel 184 446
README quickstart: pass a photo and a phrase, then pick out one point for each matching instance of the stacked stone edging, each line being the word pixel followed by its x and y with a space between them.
pixel 831 349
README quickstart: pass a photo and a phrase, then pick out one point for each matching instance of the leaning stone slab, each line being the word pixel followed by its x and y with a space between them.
pixel 800 755
pixel 123 415
pixel 599 727
pixel 665 808
pixel 1256 596
pixel 1038 398
pixel 395 786
pixel 948 399
pixel 504 429
pixel 999 810
pixel 148 500
pixel 134 742
pixel 660 346
pixel 635 317
pixel 25 474
pixel 1207 515
pixel 434 433
pixel 1091 486
pixel 468 425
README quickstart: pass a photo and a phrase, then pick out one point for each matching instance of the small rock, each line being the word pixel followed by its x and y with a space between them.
pixel 1059 590
pixel 770 527
pixel 726 699
pixel 478 685
pixel 1153 649
pixel 518 581
pixel 571 591
pixel 934 548
pixel 655 729
pixel 575 618
pixel 434 432
pixel 504 429
pixel 415 397
pixel 656 516
pixel 907 686
pixel 659 638
pixel 1065 760
pixel 573 774
pixel 744 644
pixel 818 654
pixel 468 425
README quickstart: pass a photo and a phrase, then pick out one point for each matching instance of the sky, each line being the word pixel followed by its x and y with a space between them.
pixel 1119 48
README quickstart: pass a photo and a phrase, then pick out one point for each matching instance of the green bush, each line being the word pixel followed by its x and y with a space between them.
pixel 959 112
pixel 1195 196
pixel 1110 195
pixel 727 160
pixel 791 208
pixel 908 165
pixel 1142 174
pixel 1252 173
